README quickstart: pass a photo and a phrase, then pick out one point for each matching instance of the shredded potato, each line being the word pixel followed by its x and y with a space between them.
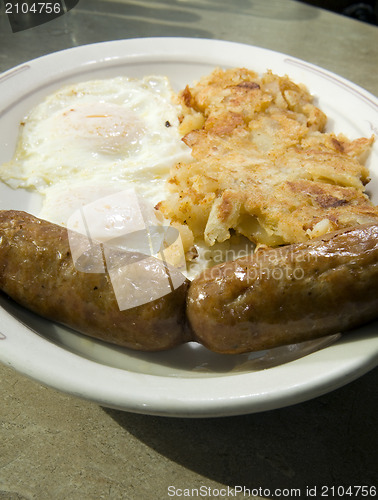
pixel 263 166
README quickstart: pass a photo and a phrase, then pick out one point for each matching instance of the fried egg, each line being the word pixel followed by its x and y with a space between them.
pixel 95 138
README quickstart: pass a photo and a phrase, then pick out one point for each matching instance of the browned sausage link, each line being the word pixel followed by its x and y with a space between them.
pixel 289 294
pixel 37 271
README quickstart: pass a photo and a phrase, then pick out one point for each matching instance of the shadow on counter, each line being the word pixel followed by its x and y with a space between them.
pixel 365 11
pixel 330 440
pixel 268 10
pixel 101 20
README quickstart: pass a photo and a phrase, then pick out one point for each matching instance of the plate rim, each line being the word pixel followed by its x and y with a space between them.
pixel 232 404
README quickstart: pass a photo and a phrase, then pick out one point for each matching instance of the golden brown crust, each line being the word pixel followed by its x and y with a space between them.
pixel 262 164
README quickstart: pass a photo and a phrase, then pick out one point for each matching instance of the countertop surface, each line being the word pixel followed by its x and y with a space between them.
pixel 57 446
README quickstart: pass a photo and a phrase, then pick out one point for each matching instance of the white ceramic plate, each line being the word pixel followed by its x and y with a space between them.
pixel 189 380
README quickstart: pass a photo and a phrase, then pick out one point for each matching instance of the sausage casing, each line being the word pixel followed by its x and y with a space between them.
pixel 289 294
pixel 38 272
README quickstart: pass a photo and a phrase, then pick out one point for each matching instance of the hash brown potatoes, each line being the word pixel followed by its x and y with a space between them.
pixel 263 165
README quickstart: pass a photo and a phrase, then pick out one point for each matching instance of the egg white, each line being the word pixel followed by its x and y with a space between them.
pixel 95 138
